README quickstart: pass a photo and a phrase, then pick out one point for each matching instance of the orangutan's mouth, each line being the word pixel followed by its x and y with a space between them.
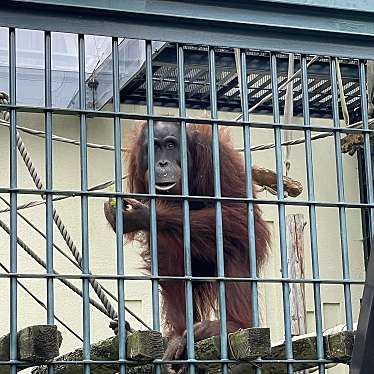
pixel 165 186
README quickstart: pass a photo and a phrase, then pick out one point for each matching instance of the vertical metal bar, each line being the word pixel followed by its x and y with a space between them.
pixel 152 190
pixel 367 246
pixel 119 215
pixel 281 211
pixel 84 203
pixel 48 174
pixel 362 356
pixel 48 178
pixel 341 197
pixel 217 194
pixel 312 214
pixel 367 147
pixel 186 211
pixel 249 193
pixel 13 199
pixel 249 189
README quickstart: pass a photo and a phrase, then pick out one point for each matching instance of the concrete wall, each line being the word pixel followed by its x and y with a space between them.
pixel 66 175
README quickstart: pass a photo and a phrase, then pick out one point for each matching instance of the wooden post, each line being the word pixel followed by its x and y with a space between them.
pixel 296 270
pixel 35 344
pixel 337 346
pixel 244 345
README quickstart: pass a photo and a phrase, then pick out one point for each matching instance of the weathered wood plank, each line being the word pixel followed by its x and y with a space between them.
pixel 268 178
pixel 248 344
pixel 244 344
pixel 142 347
pixel 337 347
pixel 35 344
pixel 145 346
pixel 296 269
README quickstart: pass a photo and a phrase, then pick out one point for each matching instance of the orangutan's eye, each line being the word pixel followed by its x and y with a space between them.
pixel 170 145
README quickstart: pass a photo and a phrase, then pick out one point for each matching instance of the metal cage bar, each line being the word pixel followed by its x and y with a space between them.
pixel 182 278
pixel 362 358
pixel 186 211
pixel 48 173
pixel 49 179
pixel 341 197
pixel 249 193
pixel 119 211
pixel 84 205
pixel 281 213
pixel 218 214
pixel 249 189
pixel 13 355
pixel 152 191
pixel 312 215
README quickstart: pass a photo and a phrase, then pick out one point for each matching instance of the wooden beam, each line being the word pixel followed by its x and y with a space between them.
pixel 246 344
pixel 35 344
pixel 338 347
pixel 146 346
pixel 142 347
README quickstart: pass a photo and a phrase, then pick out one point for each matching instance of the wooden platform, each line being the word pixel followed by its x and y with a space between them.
pixel 39 345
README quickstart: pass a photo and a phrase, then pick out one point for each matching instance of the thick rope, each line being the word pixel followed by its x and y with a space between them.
pixel 41 134
pixel 62 228
pixel 56 218
pixel 42 304
pixel 260 147
pixel 62 252
pixel 41 262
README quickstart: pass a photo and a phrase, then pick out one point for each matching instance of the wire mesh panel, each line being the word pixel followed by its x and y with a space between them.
pixel 192 204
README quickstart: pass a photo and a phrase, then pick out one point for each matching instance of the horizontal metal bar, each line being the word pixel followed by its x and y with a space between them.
pixel 254 12
pixel 359 5
pixel 254 24
pixel 238 200
pixel 164 362
pixel 181 278
pixel 256 63
pixel 189 120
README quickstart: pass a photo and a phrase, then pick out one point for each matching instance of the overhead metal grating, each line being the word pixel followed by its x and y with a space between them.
pixel 228 97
